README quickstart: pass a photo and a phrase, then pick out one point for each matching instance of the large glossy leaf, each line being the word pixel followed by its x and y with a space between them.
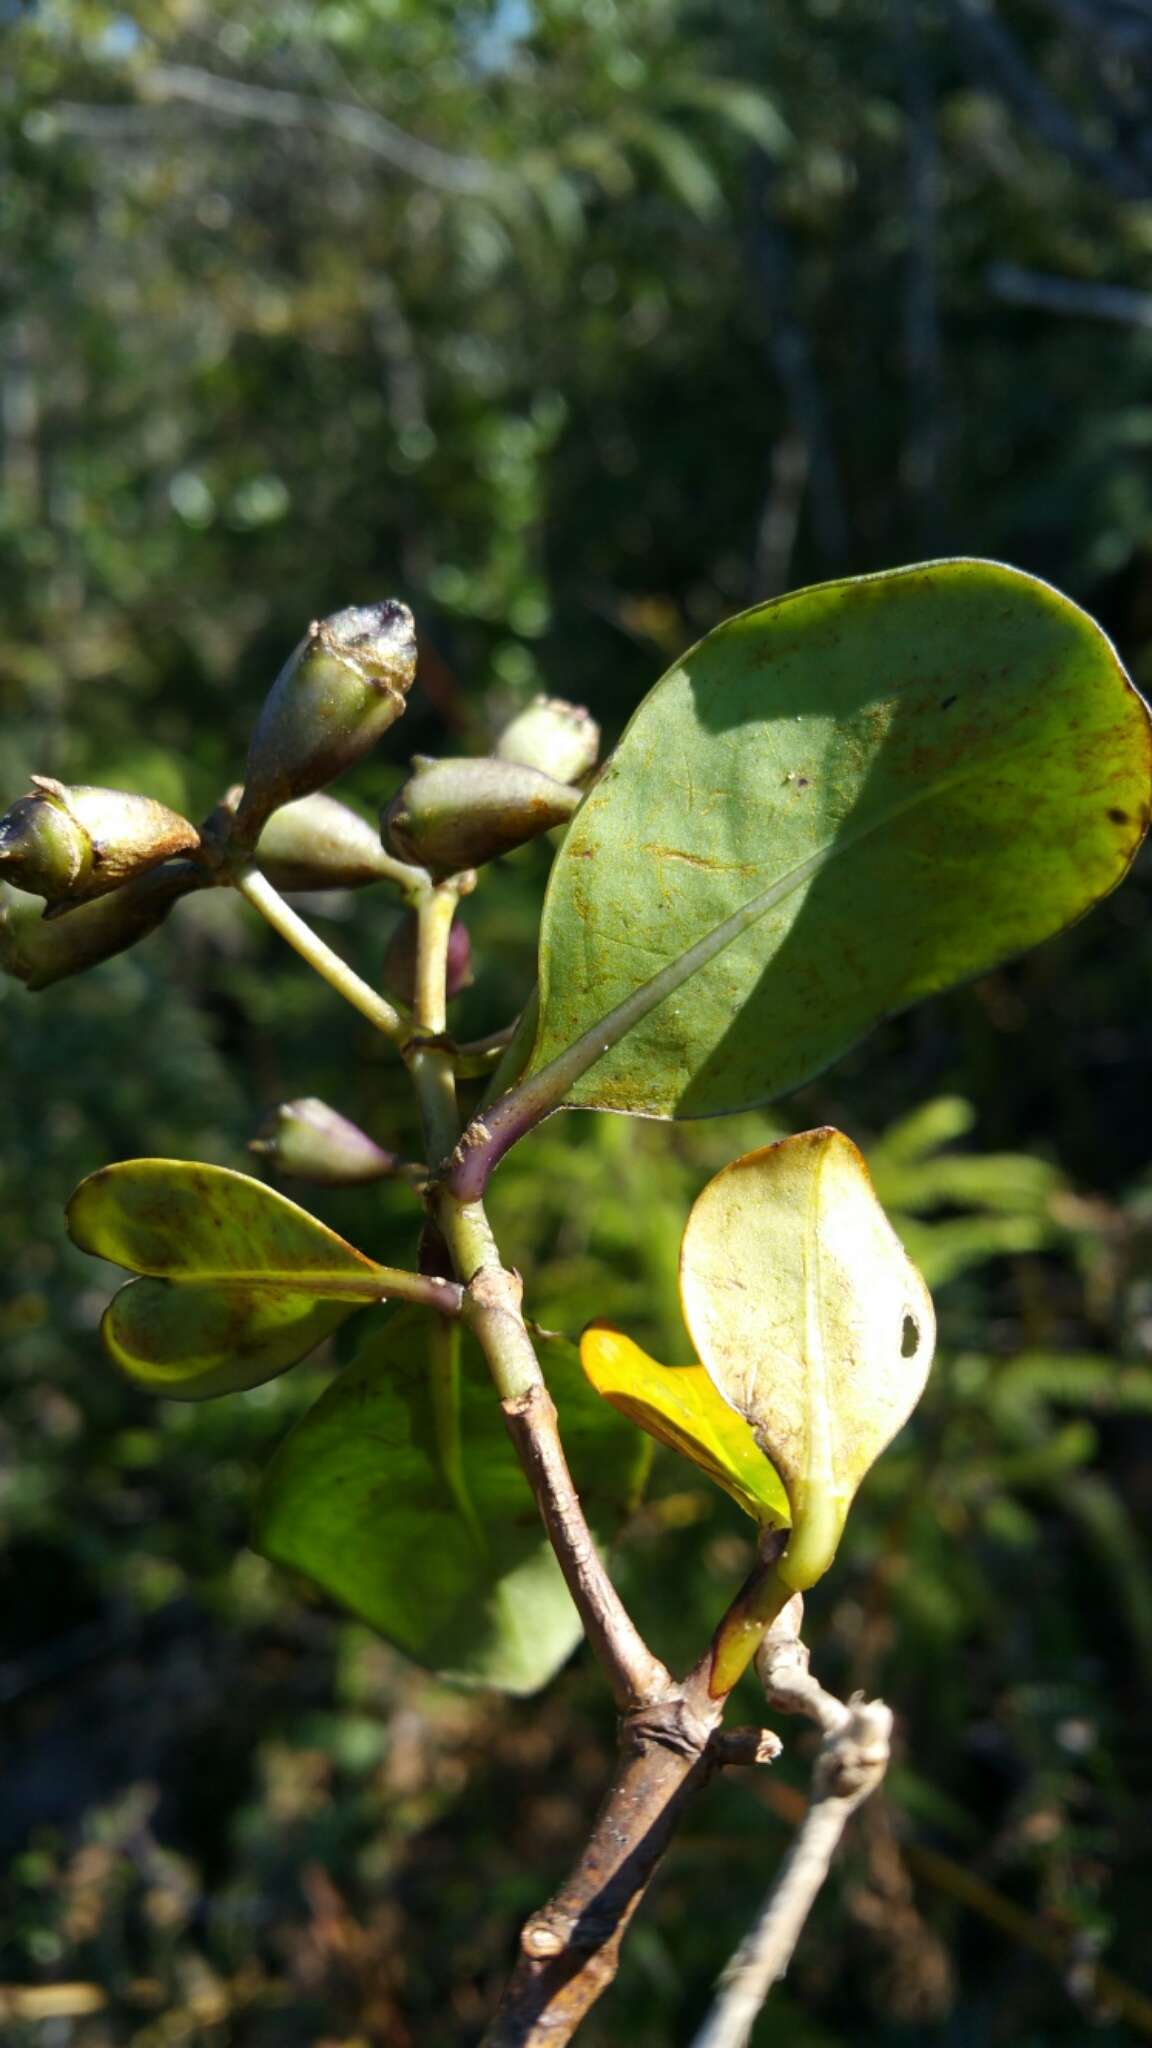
pixel 680 1407
pixel 241 1282
pixel 864 792
pixel 359 1499
pixel 812 1322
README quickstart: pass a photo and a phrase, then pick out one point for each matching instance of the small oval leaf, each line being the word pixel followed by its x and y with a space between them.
pixel 192 1343
pixel 812 1322
pixel 241 1282
pixel 680 1407
pixel 180 1220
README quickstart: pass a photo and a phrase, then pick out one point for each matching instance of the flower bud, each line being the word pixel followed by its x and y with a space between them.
pixel 39 950
pixel 343 687
pixel 308 1141
pixel 319 843
pixel 398 974
pixel 70 844
pixel 561 740
pixel 457 814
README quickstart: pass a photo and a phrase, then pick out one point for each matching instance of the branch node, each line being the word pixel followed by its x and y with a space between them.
pixel 541 1941
pixel 672 1723
pixel 731 1746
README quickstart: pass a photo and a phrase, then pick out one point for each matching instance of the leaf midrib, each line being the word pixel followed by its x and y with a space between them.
pixel 272 1281
pixel 601 1037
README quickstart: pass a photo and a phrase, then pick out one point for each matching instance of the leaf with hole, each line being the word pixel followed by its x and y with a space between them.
pixel 239 1283
pixel 443 1555
pixel 833 806
pixel 811 1321
pixel 680 1407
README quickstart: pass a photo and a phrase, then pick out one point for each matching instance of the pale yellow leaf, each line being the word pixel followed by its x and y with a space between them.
pixel 812 1322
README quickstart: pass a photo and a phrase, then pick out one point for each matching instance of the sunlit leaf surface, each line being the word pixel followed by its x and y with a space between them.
pixel 680 1407
pixel 811 1320
pixel 874 789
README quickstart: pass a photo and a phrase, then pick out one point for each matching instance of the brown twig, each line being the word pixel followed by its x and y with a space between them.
pixel 850 1764
pixel 638 1679
pixel 570 1950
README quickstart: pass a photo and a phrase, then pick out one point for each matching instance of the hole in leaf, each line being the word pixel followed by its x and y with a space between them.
pixel 910 1338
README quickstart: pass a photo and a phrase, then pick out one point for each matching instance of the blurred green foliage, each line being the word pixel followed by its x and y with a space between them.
pixel 577 326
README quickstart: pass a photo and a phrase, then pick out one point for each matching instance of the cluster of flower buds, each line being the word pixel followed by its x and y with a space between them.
pixel 308 1141
pixel 320 843
pixel 344 685
pixel 457 814
pixel 110 864
pixel 70 845
pixel 39 950
pixel 561 740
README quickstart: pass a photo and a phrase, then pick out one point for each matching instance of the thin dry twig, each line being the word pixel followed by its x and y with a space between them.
pixel 850 1764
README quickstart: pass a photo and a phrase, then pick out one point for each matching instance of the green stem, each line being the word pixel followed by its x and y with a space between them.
pixel 479 1059
pixel 259 892
pixel 431 1065
pixel 413 880
pixel 444 1384
pixel 435 909
pixel 745 1624
pixel 492 1297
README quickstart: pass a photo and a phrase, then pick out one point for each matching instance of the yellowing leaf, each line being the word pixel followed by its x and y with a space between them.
pixel 681 1408
pixel 812 1322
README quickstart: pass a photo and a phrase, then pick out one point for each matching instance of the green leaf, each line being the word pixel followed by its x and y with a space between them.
pixel 241 1282
pixel 847 800
pixel 359 1500
pixel 685 169
pixel 680 1407
pixel 744 108
pixel 812 1322
pixel 1010 1196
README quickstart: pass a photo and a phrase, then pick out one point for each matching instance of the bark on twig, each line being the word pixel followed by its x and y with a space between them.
pixel 569 1951
pixel 850 1764
pixel 637 1678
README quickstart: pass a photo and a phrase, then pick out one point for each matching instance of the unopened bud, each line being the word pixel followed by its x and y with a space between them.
pixel 70 844
pixel 308 1141
pixel 561 740
pixel 337 693
pixel 457 814
pixel 398 974
pixel 39 950
pixel 319 843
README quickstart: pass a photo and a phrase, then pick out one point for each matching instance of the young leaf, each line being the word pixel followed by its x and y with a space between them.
pixel 680 1407
pixel 359 1500
pixel 241 1282
pixel 846 799
pixel 812 1322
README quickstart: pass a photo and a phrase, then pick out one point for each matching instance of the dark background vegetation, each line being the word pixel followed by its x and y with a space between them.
pixel 580 324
